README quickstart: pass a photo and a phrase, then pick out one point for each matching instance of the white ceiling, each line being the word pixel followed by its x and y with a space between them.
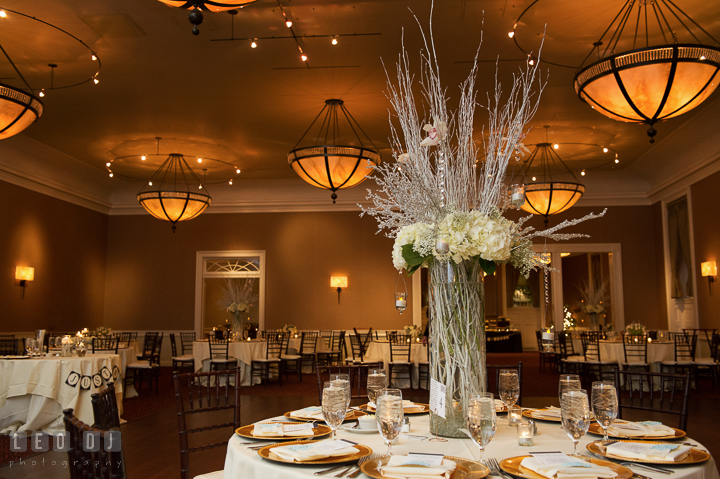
pixel 249 107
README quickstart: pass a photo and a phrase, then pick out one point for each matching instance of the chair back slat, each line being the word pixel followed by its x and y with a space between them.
pixel 496 369
pixel 107 344
pixel 684 346
pixel 591 345
pixel 85 464
pixel 218 348
pixel 400 348
pixel 187 340
pixel 105 408
pixel 635 348
pixel 275 344
pixel 356 348
pixel 358 377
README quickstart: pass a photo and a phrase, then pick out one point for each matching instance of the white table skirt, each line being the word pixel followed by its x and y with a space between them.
pixel 33 392
pixel 242 463
pixel 380 351
pixel 243 351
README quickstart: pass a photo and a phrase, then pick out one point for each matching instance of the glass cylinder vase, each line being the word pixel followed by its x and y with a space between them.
pixel 237 324
pixel 457 340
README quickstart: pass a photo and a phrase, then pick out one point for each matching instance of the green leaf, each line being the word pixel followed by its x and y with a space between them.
pixel 488 266
pixel 412 258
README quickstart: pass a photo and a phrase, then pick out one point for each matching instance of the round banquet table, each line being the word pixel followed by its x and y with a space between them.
pixel 243 351
pixel 240 462
pixel 34 391
pixel 380 351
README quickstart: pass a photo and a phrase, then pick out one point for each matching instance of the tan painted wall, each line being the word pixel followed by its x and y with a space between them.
pixel 151 271
pixel 706 212
pixel 66 246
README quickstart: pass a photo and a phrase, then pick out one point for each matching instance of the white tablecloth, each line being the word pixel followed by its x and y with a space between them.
pixel 380 351
pixel 33 392
pixel 127 356
pixel 243 351
pixel 242 463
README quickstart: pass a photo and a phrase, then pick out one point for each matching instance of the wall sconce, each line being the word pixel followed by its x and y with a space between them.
pixel 338 282
pixel 709 269
pixel 24 274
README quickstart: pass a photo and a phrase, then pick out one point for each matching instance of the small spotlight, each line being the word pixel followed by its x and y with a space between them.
pixel 238 171
pixel 3 14
pixel 605 150
pixel 230 182
pixel 107 164
pixel 534 179
pixel 41 94
pixel 111 175
pixel 253 44
pixel 511 34
pixel 143 158
pixel 200 187
pixel 96 81
pixel 556 146
pixel 702 57
pixel 199 160
pixel 582 172
pixel 94 57
pixel 288 23
pixel 334 40
pixel 617 161
pixel 303 57
pixel 149 183
pixel 531 62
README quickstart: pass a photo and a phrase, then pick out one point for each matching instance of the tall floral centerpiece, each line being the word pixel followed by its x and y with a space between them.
pixel 445 212
pixel 594 302
pixel 238 296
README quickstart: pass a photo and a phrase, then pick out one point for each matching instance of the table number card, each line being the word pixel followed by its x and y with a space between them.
pixel 437 398
pixel 419 459
pixel 297 427
pixel 330 446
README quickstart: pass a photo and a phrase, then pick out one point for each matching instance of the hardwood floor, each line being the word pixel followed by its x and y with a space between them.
pixel 152 451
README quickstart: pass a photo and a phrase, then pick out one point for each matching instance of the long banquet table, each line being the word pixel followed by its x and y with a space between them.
pixel 241 462
pixel 34 391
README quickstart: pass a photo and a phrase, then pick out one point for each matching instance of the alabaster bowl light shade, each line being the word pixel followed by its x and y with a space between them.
pixel 650 84
pixel 174 206
pixel 18 110
pixel 551 198
pixel 333 167
pixel 209 5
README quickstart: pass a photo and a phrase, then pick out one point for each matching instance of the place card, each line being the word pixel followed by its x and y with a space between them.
pixel 419 459
pixel 298 427
pixel 331 446
pixel 559 459
pixel 437 397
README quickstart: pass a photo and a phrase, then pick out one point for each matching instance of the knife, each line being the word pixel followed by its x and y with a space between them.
pixel 328 471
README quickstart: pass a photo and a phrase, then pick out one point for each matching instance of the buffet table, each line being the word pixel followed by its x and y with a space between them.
pixel 34 391
pixel 241 462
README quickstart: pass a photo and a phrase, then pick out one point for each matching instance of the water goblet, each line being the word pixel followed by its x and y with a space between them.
pixel 334 406
pixel 376 381
pixel 575 413
pixel 482 420
pixel 343 380
pixel 604 405
pixel 389 415
pixel 567 382
pixel 30 346
pixel 509 388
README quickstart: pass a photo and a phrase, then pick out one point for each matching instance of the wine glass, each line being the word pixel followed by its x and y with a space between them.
pixel 575 412
pixel 343 380
pixel 509 388
pixel 567 382
pixel 481 420
pixel 30 346
pixel 604 405
pixel 334 406
pixel 389 415
pixel 376 382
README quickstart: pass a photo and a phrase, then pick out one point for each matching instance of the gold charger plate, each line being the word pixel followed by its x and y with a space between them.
pixel 512 466
pixel 596 429
pixel 351 415
pixel 695 456
pixel 537 414
pixel 425 409
pixel 246 431
pixel 363 451
pixel 466 469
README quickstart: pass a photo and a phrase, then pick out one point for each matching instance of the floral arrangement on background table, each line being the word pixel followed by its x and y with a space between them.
pixel 412 330
pixel 103 331
pixel 289 329
pixel 635 328
pixel 569 321
pixel 593 302
pixel 238 296
pixel 445 211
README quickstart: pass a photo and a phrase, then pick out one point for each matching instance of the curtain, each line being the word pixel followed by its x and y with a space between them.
pixel 513 276
pixel 678 225
pixel 534 286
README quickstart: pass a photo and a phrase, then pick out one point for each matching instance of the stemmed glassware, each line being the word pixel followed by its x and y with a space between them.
pixel 334 405
pixel 509 388
pixel 567 382
pixel 376 381
pixel 30 346
pixel 482 420
pixel 604 405
pixel 575 412
pixel 343 380
pixel 389 415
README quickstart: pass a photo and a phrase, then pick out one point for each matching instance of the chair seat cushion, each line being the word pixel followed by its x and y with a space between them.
pixel 400 363
pixel 678 363
pixel 141 365
pixel 186 357
pixel 574 359
pixel 268 360
pixel 601 362
pixel 705 362
pixel 228 360
pixel 634 363
pixel 291 357
pixel 211 475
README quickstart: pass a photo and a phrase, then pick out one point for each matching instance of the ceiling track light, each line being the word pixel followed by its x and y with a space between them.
pixel 195 16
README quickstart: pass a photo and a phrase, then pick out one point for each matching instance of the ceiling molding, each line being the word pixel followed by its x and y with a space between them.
pixel 675 185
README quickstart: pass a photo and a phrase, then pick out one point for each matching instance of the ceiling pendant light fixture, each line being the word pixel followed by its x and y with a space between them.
pixel 196 6
pixel 333 159
pixel 549 194
pixel 651 83
pixel 174 193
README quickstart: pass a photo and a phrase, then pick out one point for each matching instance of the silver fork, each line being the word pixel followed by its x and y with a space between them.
pixel 363 460
pixel 495 467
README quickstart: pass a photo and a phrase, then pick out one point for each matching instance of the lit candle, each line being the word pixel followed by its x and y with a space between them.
pixel 525 434
pixel 79 334
pixel 515 416
pixel 248 339
pixel 400 303
pixel 442 246
pixel 517 195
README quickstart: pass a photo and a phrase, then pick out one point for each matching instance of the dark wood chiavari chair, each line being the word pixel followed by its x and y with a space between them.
pixel 84 464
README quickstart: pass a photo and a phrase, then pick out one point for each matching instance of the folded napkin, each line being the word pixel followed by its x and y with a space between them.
pixel 309 452
pixel 551 412
pixel 314 412
pixel 561 466
pixel 408 406
pixel 639 429
pixel 499 405
pixel 404 467
pixel 274 430
pixel 646 451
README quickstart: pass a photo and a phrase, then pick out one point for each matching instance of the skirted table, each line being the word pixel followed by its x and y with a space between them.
pixel 243 351
pixel 380 351
pixel 34 391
